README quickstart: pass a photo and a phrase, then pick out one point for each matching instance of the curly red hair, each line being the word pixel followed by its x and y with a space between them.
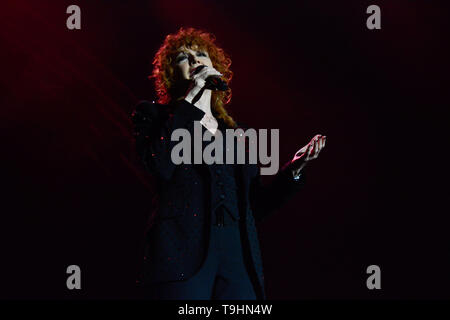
pixel 164 71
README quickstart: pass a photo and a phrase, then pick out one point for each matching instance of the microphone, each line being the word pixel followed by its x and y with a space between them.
pixel 212 82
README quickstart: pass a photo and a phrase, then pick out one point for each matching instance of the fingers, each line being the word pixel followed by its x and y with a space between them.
pixel 200 78
pixel 212 71
pixel 310 152
pixel 312 149
pixel 316 145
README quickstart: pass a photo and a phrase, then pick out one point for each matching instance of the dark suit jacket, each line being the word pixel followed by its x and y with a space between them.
pixel 177 239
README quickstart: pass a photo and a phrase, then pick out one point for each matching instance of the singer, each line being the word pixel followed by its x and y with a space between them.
pixel 201 241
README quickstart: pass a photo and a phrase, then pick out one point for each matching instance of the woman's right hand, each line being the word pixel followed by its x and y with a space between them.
pixel 200 77
pixel 199 81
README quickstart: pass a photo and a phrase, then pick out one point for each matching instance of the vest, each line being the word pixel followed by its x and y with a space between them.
pixel 223 187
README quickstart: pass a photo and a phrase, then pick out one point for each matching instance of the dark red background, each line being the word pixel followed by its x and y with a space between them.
pixel 74 193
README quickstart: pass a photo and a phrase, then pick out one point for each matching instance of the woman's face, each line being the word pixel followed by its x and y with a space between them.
pixel 190 58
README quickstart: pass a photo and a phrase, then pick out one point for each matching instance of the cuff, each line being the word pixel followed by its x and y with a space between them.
pixel 290 179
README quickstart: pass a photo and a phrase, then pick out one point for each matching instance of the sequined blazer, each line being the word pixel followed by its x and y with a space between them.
pixel 177 236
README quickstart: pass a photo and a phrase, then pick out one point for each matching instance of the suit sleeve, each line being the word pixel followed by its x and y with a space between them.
pixel 153 127
pixel 266 199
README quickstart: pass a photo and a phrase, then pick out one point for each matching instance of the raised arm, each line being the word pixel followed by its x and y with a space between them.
pixel 265 200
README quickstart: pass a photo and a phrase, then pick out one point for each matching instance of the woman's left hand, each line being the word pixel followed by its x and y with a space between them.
pixel 307 153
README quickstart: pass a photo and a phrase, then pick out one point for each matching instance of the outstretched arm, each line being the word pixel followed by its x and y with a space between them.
pixel 265 200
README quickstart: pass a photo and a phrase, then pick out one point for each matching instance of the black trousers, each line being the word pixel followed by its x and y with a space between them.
pixel 223 275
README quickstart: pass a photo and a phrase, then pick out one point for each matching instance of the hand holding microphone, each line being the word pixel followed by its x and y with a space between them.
pixel 204 77
pixel 211 78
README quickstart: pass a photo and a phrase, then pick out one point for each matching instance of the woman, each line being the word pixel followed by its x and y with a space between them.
pixel 202 242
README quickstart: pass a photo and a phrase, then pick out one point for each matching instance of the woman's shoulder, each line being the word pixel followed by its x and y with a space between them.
pixel 148 110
